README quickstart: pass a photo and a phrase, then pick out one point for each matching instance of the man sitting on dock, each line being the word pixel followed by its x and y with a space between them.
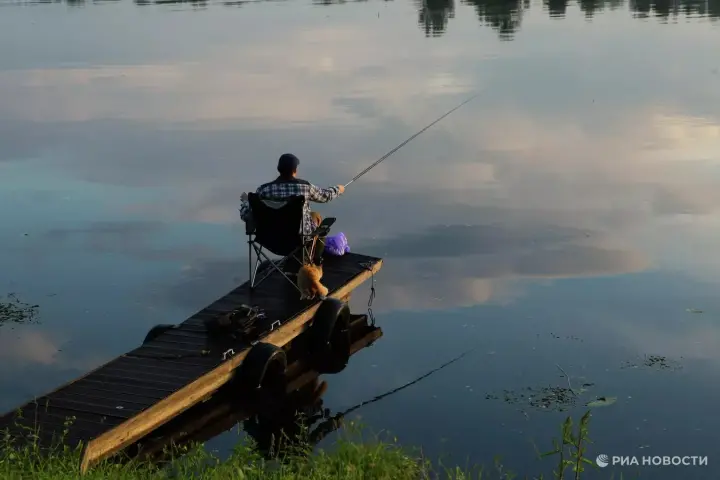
pixel 288 185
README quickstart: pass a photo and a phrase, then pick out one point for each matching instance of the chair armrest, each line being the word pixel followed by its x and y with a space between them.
pixel 324 228
pixel 249 227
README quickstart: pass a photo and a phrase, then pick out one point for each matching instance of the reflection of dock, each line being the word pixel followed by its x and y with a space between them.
pixel 121 402
pixel 223 411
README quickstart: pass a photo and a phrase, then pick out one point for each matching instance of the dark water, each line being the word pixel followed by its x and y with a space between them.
pixel 568 216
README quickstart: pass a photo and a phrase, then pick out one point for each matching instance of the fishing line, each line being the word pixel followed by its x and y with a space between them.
pixel 406 141
pixel 413 382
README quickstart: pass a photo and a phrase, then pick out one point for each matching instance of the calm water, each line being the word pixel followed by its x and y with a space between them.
pixel 568 216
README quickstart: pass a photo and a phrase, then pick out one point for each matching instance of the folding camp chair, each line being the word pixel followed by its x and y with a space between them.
pixel 276 225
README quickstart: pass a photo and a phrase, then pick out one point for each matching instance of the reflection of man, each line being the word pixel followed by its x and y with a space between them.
pixel 290 423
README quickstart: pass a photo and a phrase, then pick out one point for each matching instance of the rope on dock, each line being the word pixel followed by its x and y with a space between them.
pixel 369 267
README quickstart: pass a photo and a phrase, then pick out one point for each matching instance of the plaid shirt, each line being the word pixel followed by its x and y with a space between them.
pixel 281 188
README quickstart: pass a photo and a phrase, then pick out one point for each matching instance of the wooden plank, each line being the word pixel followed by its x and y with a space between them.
pixel 133 382
pixel 157 365
pixel 151 362
pixel 149 419
pixel 194 328
pixel 164 349
pixel 120 386
pixel 223 411
pixel 36 415
pixel 177 336
pixel 369 338
pixel 104 398
pixel 127 411
pixel 174 376
pixel 188 358
pixel 182 350
pixel 186 337
pixel 189 332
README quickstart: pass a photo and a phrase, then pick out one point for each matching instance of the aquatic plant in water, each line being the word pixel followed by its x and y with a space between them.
pixel 656 362
pixel 13 310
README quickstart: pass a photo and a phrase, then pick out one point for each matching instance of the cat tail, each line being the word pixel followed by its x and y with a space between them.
pixel 321 289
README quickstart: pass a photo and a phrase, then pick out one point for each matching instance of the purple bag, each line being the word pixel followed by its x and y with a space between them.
pixel 337 245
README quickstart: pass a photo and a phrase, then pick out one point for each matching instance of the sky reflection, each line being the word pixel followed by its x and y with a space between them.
pixel 579 191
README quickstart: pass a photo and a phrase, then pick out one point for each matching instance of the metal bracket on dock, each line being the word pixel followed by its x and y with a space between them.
pixel 230 352
pixel 274 324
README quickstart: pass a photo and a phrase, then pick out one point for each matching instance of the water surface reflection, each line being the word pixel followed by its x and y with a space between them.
pixel 576 197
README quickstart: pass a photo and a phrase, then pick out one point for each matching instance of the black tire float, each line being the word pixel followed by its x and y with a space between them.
pixel 156 331
pixel 263 369
pixel 329 334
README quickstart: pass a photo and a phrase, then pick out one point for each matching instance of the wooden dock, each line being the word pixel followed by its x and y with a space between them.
pixel 223 411
pixel 119 403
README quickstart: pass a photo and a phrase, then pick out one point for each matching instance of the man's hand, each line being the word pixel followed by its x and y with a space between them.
pixel 341 188
pixel 243 197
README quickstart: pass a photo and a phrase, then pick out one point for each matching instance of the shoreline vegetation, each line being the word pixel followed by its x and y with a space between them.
pixel 375 459
pixel 24 456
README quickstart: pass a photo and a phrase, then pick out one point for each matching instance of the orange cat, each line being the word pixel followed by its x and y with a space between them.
pixel 308 279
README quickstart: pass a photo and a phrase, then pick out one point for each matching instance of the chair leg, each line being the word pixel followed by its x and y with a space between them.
pixel 313 250
pixel 253 271
pixel 319 250
pixel 250 269
pixel 275 267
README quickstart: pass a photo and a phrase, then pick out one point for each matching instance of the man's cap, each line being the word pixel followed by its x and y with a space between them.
pixel 287 162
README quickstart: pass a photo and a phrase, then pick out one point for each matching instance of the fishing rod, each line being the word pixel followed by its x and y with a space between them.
pixel 405 142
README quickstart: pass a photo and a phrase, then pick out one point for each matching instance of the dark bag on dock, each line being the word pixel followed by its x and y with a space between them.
pixel 240 321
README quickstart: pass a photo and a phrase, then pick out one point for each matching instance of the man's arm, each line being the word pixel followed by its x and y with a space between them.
pixel 244 207
pixel 324 195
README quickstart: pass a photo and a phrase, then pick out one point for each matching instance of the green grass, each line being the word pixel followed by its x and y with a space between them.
pixel 348 460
